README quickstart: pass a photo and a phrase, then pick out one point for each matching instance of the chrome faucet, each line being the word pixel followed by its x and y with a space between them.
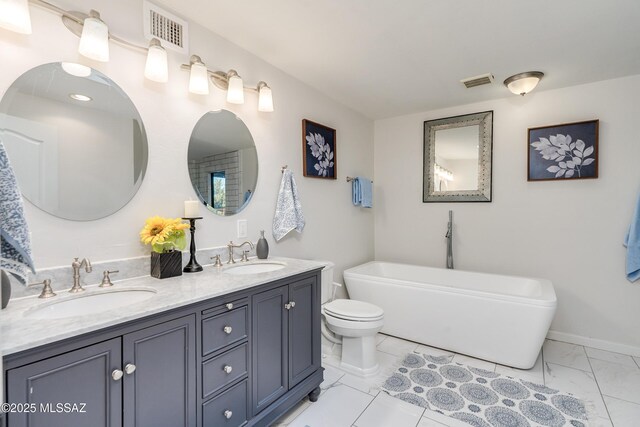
pixel 449 237
pixel 231 246
pixel 77 265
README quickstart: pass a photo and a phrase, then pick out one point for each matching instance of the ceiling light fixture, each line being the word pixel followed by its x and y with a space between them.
pixel 523 83
pixel 265 98
pixel 94 41
pixel 156 68
pixel 14 16
pixel 198 81
pixel 77 70
pixel 79 97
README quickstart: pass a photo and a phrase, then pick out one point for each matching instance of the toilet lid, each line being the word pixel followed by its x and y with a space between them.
pixel 353 310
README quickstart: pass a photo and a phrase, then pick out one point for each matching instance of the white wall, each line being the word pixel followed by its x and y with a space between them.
pixel 569 232
pixel 335 229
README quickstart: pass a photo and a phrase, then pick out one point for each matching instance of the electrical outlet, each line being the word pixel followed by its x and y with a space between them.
pixel 242 228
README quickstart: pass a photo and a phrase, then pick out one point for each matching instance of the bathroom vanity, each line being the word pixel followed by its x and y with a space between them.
pixel 209 349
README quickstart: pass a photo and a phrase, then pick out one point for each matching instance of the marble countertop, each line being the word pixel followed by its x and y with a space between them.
pixel 19 332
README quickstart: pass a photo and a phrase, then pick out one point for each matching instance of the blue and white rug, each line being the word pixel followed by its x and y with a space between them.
pixel 481 398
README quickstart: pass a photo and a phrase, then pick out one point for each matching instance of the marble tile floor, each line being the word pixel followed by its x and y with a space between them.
pixel 609 382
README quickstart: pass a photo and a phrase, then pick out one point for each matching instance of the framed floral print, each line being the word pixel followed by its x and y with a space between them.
pixel 561 152
pixel 318 150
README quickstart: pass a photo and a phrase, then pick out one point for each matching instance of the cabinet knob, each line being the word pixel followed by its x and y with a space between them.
pixel 229 306
pixel 227 369
pixel 227 329
pixel 290 305
pixel 228 414
pixel 130 368
pixel 117 374
pixel 293 304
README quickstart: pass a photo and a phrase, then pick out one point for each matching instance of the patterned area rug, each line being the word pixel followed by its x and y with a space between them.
pixel 481 398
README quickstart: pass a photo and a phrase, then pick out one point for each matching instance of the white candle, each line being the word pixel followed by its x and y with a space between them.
pixel 191 209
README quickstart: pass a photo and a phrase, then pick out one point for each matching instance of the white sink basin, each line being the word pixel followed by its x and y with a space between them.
pixel 91 303
pixel 256 268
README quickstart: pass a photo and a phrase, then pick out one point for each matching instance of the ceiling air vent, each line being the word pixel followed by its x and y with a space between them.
pixel 484 79
pixel 172 31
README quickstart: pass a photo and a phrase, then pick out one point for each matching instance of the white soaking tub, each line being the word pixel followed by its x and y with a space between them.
pixel 503 319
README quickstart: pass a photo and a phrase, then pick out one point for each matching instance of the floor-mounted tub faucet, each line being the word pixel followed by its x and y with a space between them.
pixel 449 237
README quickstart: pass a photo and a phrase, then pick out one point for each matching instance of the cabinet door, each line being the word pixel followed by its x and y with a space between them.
pixel 55 385
pixel 269 338
pixel 304 330
pixel 162 389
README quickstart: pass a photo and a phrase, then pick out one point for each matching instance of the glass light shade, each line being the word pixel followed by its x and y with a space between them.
pixel 157 69
pixel 14 16
pixel 235 93
pixel 265 100
pixel 198 81
pixel 524 85
pixel 94 42
pixel 77 70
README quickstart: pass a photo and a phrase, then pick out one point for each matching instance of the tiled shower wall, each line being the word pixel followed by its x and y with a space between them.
pixel 200 172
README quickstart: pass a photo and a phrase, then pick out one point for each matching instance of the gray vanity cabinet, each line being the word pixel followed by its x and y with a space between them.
pixel 144 379
pixel 286 339
pixel 82 377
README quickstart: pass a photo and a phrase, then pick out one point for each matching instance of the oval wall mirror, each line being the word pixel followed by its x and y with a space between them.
pixel 223 162
pixel 75 141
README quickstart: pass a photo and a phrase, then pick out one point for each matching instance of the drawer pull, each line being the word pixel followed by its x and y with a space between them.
pixel 229 306
pixel 130 368
pixel 228 414
pixel 117 374
pixel 227 369
pixel 227 329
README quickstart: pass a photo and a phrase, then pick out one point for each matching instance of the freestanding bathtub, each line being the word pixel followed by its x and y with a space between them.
pixel 502 319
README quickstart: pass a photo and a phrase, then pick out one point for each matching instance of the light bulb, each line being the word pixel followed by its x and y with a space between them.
pixel 94 42
pixel 265 98
pixel 156 69
pixel 198 79
pixel 14 16
pixel 235 92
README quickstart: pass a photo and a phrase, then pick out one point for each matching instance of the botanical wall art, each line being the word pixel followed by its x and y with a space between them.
pixel 560 152
pixel 318 150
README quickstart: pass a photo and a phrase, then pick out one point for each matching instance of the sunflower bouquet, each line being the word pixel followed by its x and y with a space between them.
pixel 164 234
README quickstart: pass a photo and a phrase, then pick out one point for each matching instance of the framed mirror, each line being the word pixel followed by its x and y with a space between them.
pixel 75 140
pixel 457 158
pixel 223 162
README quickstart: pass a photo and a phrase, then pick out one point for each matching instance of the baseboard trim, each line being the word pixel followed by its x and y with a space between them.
pixel 595 343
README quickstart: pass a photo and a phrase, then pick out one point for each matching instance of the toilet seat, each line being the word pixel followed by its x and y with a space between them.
pixel 357 311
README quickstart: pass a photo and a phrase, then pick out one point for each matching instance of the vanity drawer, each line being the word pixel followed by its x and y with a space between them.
pixel 224 329
pixel 214 371
pixel 227 410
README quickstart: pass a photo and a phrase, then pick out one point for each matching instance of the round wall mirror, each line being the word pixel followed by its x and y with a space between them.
pixel 75 141
pixel 223 162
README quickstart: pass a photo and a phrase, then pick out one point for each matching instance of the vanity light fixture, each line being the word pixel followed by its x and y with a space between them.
pixel 79 97
pixel 229 81
pixel 94 41
pixel 265 98
pixel 14 16
pixel 77 70
pixel 523 83
pixel 156 68
pixel 235 92
pixel 198 81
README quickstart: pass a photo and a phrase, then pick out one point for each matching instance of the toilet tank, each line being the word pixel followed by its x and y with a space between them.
pixel 327 282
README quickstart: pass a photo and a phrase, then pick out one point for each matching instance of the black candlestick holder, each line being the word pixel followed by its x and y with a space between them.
pixel 193 266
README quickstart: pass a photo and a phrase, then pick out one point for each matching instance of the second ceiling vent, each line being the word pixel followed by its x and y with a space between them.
pixel 484 79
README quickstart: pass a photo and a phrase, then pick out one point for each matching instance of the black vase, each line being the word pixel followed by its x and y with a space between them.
pixel 6 288
pixel 167 264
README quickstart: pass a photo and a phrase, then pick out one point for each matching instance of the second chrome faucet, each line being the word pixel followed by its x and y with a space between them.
pixel 231 246
pixel 77 265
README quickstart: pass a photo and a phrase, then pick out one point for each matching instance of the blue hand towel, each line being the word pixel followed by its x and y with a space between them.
pixel 362 192
pixel 632 243
pixel 15 246
pixel 288 214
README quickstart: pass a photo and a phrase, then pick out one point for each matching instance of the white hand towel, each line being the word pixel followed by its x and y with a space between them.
pixel 288 214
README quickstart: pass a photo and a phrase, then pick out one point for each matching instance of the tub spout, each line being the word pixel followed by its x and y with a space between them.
pixel 449 237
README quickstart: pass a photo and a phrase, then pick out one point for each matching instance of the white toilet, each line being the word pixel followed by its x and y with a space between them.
pixel 357 322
